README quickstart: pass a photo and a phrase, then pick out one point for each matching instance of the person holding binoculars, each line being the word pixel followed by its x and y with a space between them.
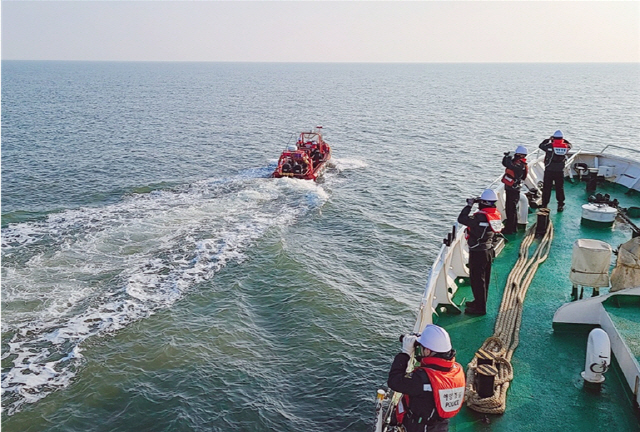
pixel 483 227
pixel 516 171
pixel 434 391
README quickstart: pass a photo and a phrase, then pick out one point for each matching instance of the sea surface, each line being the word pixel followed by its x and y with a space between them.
pixel 154 278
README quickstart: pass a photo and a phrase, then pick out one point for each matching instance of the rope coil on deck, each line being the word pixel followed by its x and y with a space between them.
pixel 498 349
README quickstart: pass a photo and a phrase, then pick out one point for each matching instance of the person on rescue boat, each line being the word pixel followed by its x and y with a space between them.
pixel 515 173
pixel 434 391
pixel 483 229
pixel 556 149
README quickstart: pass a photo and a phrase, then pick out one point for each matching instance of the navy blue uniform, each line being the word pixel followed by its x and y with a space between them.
pixel 520 170
pixel 481 255
pixel 423 405
pixel 553 173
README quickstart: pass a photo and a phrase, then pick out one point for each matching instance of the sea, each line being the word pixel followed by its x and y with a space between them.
pixel 156 278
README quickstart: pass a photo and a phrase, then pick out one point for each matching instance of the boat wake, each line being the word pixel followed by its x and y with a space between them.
pixel 346 164
pixel 90 272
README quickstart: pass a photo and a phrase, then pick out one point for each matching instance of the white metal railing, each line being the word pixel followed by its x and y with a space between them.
pixel 620 147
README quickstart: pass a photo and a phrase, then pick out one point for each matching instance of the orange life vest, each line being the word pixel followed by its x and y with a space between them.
pixel 447 387
pixel 509 177
pixel 559 146
pixel 493 217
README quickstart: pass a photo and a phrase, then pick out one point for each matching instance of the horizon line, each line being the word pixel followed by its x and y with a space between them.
pixel 324 62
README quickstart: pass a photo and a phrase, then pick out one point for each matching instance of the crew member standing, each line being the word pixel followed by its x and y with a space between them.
pixel 482 228
pixel 556 149
pixel 434 391
pixel 515 173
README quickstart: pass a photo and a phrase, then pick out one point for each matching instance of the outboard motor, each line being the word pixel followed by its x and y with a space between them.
pixel 598 359
pixel 286 167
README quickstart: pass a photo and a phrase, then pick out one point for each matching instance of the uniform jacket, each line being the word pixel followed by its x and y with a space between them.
pixel 481 236
pixel 552 161
pixel 519 169
pixel 422 403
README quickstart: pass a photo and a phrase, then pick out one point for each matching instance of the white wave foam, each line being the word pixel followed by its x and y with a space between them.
pixel 88 272
pixel 345 164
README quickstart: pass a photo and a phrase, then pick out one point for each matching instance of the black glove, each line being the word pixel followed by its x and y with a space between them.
pixel 471 201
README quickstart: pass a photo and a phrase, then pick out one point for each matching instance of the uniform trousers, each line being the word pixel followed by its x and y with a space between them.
pixel 550 179
pixel 479 276
pixel 510 204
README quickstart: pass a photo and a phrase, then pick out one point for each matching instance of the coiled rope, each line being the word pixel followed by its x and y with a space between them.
pixel 497 350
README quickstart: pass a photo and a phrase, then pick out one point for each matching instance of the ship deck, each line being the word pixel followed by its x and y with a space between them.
pixel 547 390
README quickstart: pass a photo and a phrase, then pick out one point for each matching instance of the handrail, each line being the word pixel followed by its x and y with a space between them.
pixel 570 161
pixel 620 147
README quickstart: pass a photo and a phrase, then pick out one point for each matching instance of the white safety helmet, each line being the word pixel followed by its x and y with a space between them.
pixel 435 338
pixel 558 134
pixel 521 150
pixel 489 195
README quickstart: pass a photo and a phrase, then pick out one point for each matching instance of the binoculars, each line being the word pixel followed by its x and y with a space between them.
pixel 410 334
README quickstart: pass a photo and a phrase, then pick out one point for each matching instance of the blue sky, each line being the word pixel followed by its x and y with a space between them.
pixel 319 31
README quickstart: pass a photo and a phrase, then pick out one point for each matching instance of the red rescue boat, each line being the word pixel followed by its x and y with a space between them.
pixel 306 160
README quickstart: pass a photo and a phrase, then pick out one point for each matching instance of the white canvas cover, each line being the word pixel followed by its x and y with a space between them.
pixel 626 274
pixel 590 263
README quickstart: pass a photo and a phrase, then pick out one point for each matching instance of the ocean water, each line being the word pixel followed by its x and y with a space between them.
pixel 154 278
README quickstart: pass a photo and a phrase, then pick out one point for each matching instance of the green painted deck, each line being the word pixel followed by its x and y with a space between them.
pixel 547 391
pixel 623 311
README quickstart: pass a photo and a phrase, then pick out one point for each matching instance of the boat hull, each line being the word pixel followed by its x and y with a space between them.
pixel 314 174
pixel 307 160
